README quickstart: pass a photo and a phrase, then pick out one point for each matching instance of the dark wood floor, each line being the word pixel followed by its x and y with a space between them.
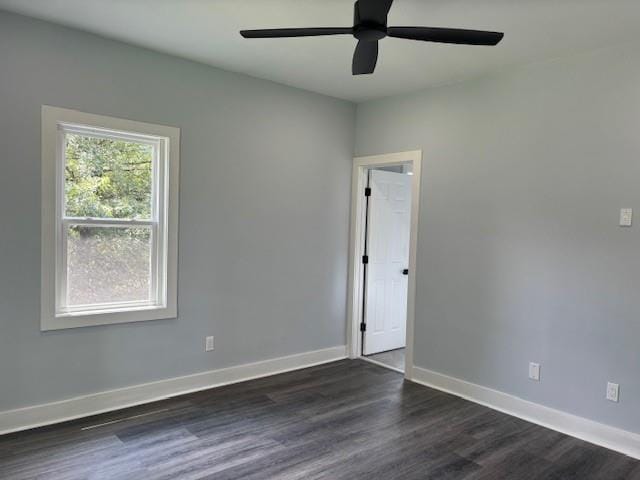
pixel 345 420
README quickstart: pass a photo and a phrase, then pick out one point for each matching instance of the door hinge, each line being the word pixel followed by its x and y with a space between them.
pixel 363 327
pixel 367 192
pixel 365 259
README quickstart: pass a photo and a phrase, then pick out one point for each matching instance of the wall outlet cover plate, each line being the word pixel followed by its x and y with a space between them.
pixel 613 392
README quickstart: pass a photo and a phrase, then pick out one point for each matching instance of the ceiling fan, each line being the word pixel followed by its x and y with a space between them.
pixel 370 25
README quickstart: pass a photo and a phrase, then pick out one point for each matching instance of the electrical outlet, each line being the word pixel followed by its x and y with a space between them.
pixel 208 344
pixel 534 371
pixel 626 217
pixel 613 391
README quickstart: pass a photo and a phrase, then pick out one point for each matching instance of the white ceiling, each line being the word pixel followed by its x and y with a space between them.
pixel 207 31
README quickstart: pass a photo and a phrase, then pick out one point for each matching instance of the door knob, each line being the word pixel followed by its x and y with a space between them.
pixel 405 271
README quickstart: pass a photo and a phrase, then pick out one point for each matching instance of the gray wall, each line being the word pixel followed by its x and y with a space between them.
pixel 265 183
pixel 520 257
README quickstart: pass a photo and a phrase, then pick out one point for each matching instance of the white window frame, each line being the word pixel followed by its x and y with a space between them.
pixel 55 314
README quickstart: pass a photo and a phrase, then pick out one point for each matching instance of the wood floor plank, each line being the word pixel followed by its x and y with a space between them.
pixel 343 420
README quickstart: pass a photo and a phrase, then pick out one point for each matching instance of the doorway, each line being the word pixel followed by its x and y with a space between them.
pixel 385 201
pixel 387 227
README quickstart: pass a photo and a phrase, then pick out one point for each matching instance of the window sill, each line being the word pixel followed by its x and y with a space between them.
pixel 107 317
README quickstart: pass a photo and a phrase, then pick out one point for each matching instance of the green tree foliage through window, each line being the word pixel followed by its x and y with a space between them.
pixel 107 178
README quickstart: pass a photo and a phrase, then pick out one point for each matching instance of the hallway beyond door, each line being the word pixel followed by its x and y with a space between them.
pixel 392 358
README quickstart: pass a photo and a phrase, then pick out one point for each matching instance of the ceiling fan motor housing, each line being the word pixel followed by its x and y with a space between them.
pixel 367 31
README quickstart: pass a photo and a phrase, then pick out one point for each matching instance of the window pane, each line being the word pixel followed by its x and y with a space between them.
pixel 107 178
pixel 108 264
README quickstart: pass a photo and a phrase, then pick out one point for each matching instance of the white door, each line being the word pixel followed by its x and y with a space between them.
pixel 388 251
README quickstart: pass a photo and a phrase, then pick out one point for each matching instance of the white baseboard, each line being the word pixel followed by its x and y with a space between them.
pixel 87 405
pixel 606 436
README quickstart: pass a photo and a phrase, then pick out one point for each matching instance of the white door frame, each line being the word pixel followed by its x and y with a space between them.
pixel 356 248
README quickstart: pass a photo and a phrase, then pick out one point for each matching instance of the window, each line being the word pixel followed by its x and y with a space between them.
pixel 109 224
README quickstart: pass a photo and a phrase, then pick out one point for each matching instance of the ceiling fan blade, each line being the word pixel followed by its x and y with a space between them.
pixel 446 35
pixel 365 57
pixel 374 11
pixel 295 32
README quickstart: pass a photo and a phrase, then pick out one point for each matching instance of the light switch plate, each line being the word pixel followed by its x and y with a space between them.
pixel 626 217
pixel 208 344
pixel 534 371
